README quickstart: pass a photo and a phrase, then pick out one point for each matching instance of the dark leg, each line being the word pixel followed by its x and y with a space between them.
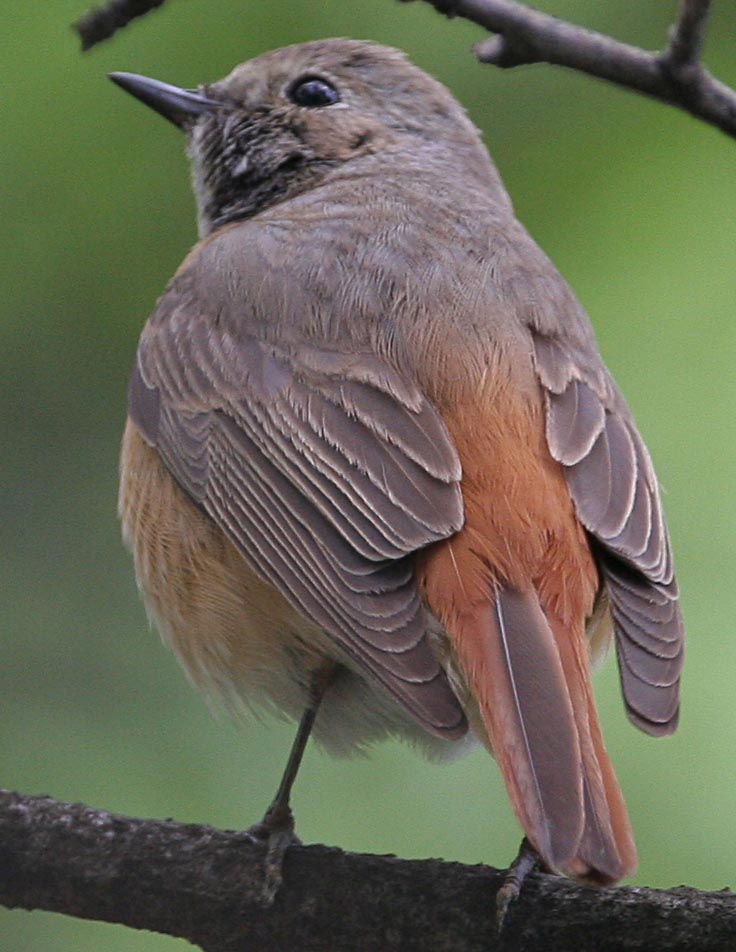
pixel 277 826
pixel 527 861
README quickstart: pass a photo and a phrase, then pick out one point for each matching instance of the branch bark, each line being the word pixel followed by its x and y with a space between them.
pixel 675 77
pixel 202 884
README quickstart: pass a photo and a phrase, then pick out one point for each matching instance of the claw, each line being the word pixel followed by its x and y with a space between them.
pixel 527 860
pixel 277 831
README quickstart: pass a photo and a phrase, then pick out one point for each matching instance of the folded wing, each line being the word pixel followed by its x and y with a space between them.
pixel 327 471
pixel 613 486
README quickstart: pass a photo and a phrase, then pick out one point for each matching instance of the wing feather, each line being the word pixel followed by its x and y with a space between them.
pixel 614 489
pixel 576 419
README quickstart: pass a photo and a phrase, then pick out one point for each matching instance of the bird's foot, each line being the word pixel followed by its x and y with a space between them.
pixel 527 861
pixel 276 830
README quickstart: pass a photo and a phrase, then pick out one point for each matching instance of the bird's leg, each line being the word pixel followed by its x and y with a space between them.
pixel 277 826
pixel 527 861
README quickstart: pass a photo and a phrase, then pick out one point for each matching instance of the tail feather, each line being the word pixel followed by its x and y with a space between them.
pixel 531 680
pixel 511 659
pixel 606 852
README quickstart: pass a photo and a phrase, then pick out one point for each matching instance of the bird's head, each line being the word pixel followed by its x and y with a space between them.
pixel 285 121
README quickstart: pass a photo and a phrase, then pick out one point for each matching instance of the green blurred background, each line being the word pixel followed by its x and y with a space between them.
pixel 634 201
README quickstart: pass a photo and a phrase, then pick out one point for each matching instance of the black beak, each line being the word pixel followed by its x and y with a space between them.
pixel 180 106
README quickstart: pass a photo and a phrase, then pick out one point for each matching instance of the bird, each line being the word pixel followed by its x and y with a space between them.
pixel 375 474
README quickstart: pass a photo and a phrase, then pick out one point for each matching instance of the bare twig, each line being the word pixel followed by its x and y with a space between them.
pixel 688 34
pixel 203 885
pixel 525 35
pixel 102 22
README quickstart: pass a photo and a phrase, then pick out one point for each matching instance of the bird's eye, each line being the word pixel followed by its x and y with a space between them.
pixel 313 92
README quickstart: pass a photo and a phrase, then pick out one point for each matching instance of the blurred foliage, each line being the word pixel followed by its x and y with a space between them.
pixel 636 204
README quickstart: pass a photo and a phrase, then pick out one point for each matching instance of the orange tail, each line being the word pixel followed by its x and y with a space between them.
pixel 531 680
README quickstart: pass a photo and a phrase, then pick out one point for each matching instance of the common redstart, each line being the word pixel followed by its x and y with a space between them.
pixel 375 473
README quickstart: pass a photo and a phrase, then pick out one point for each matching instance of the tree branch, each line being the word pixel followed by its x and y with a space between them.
pixel 202 884
pixel 687 36
pixel 675 76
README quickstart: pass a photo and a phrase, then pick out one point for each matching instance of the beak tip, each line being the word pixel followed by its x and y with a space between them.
pixel 120 78
pixel 180 106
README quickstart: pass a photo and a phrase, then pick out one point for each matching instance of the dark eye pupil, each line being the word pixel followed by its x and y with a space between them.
pixel 314 92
